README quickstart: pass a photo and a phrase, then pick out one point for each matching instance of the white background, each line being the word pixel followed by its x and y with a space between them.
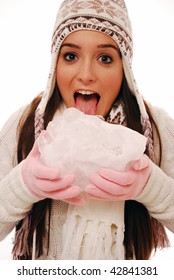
pixel 25 37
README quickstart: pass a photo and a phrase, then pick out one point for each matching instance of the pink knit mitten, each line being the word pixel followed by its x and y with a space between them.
pixel 46 182
pixel 109 184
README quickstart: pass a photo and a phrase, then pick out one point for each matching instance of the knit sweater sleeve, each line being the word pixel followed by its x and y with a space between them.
pixel 15 199
pixel 158 194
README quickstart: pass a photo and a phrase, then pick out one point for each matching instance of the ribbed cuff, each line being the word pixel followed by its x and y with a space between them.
pixel 14 195
pixel 158 194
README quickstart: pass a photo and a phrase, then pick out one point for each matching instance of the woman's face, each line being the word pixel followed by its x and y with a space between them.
pixel 89 72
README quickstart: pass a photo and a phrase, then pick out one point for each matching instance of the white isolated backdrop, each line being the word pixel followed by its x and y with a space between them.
pixel 25 39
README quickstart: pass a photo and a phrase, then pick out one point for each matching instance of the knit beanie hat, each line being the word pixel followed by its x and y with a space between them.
pixel 110 17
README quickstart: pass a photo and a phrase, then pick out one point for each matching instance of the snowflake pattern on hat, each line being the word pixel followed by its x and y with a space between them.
pixel 97 5
pixel 109 10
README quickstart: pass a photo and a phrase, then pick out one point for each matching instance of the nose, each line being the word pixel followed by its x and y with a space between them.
pixel 86 72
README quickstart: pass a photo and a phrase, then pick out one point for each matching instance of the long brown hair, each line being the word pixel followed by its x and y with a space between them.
pixel 143 233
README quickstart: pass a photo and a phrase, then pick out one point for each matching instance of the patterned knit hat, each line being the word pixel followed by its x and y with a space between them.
pixel 110 17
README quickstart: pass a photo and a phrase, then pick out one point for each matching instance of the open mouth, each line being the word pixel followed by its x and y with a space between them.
pixel 86 101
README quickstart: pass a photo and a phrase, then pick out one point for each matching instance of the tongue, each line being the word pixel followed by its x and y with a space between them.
pixel 87 104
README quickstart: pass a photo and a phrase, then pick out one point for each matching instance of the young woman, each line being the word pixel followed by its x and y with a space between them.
pixel 91 71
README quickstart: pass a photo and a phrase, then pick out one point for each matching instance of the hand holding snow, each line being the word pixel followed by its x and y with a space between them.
pixel 82 144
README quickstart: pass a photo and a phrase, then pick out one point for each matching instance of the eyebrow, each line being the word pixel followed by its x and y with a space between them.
pixel 70 45
pixel 108 46
pixel 101 46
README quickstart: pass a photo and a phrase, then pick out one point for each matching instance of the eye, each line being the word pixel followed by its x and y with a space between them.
pixel 106 59
pixel 70 56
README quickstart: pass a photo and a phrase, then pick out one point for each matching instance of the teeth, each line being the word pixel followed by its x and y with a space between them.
pixel 84 92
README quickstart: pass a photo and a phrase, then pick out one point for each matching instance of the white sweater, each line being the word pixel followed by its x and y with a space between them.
pixel 16 200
